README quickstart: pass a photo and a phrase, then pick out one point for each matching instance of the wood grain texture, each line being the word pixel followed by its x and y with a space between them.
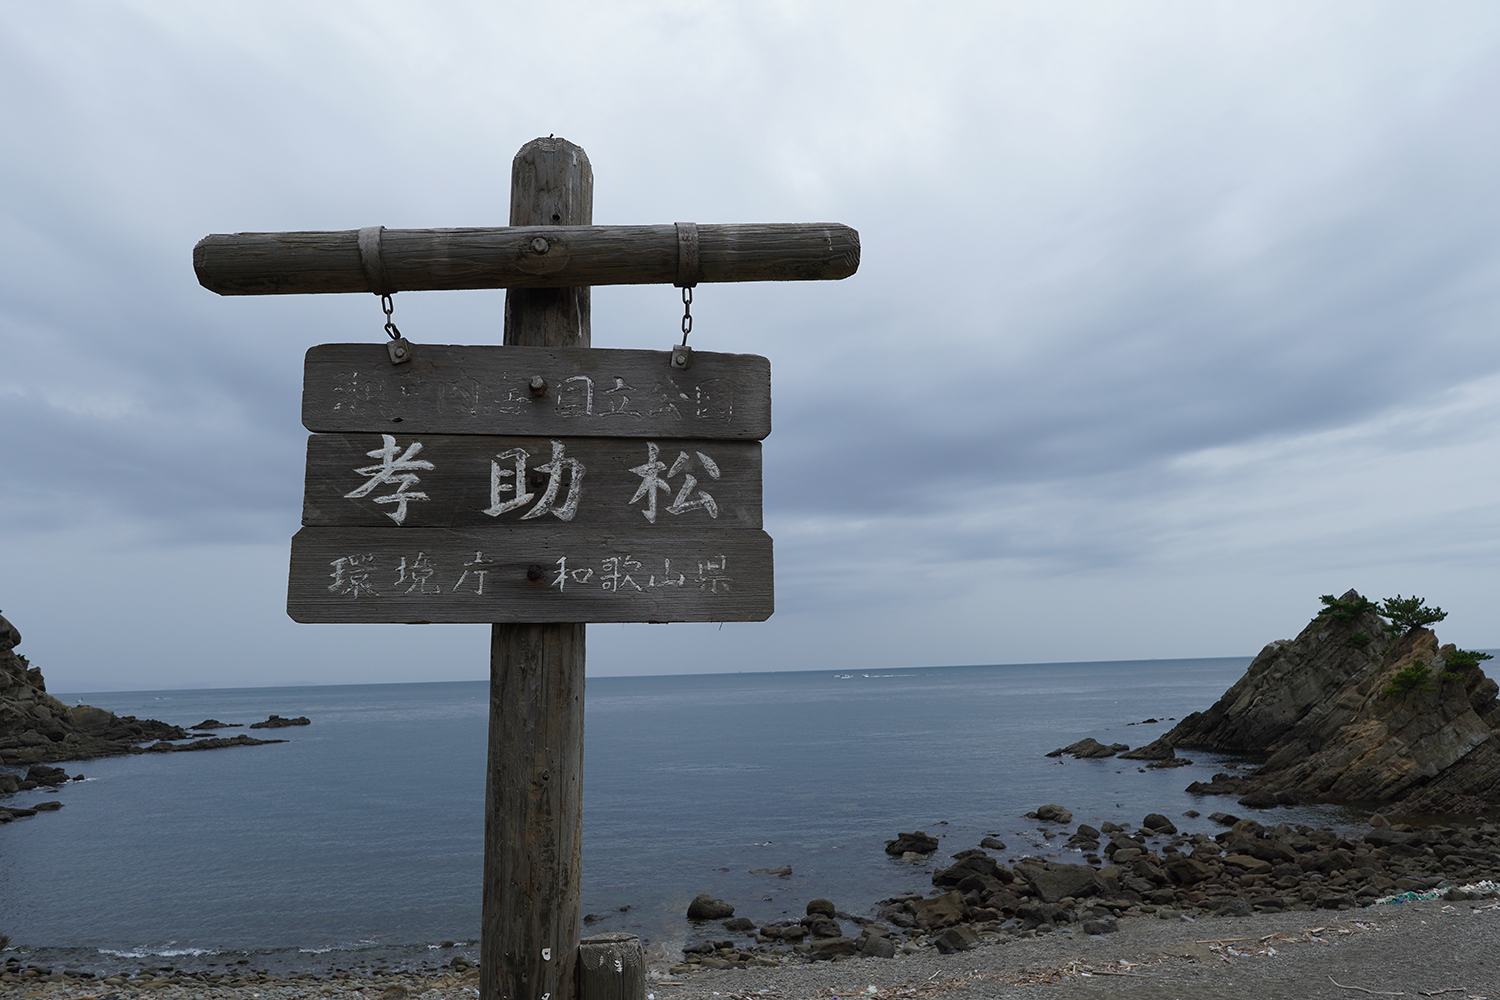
pixel 614 483
pixel 533 830
pixel 551 184
pixel 561 574
pixel 449 389
pixel 508 257
pixel 611 967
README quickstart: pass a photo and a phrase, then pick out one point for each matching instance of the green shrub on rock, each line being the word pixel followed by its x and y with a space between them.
pixel 1465 659
pixel 1336 609
pixel 1407 614
pixel 1415 677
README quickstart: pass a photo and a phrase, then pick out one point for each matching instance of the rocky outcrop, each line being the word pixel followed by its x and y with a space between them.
pixel 1158 749
pixel 1089 748
pixel 277 722
pixel 1351 711
pixel 36 728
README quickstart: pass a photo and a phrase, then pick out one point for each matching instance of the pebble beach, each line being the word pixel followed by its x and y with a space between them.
pixel 1412 949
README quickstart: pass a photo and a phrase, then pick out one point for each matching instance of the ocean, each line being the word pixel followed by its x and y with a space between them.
pixel 360 840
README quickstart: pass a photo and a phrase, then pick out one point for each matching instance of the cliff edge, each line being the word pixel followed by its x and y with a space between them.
pixel 36 728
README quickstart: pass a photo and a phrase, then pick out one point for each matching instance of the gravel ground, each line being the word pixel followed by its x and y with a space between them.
pixel 1392 950
pixel 1413 950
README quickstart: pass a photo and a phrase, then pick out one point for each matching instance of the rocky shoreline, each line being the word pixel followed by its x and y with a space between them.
pixel 1363 705
pixel 37 730
pixel 1145 875
pixel 1149 871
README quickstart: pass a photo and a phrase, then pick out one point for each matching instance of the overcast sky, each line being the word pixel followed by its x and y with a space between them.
pixel 1171 316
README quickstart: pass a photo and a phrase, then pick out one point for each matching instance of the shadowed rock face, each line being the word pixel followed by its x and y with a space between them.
pixel 1320 707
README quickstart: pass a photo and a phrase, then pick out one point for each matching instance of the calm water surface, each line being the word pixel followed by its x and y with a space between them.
pixel 364 831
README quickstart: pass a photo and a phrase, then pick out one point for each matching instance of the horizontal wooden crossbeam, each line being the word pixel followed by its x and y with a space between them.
pixel 521 257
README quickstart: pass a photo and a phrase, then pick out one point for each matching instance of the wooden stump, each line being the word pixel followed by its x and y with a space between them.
pixel 611 967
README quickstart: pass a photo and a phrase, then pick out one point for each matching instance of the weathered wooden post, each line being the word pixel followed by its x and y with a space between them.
pixel 535 486
pixel 611 967
pixel 533 814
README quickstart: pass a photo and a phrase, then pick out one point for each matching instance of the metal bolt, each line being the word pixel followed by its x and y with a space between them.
pixel 540 246
pixel 534 573
pixel 537 385
pixel 400 352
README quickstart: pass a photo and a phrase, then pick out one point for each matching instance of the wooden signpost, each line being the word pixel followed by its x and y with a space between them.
pixel 535 486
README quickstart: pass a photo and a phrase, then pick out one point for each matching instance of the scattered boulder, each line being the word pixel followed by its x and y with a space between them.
pixel 1057 881
pixel 781 870
pixel 974 869
pixel 739 924
pixel 1157 823
pixel 956 938
pixel 706 907
pixel 940 911
pixel 1052 813
pixel 823 906
pixel 830 948
pixel 873 945
pixel 820 925
pixel 216 724
pixel 911 843
pixel 1188 871
pixel 1102 924
pixel 994 844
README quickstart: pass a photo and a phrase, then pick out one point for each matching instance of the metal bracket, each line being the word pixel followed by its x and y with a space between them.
pixel 687 255
pixel 682 356
pixel 371 262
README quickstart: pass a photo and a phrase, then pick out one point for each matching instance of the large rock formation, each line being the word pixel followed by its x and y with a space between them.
pixel 1350 711
pixel 36 728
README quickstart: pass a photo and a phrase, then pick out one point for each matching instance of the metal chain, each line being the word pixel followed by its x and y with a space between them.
pixel 387 306
pixel 687 313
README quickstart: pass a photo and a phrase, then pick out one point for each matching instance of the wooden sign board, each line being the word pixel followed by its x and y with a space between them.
pixel 422 575
pixel 585 392
pixel 528 484
pixel 542 484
